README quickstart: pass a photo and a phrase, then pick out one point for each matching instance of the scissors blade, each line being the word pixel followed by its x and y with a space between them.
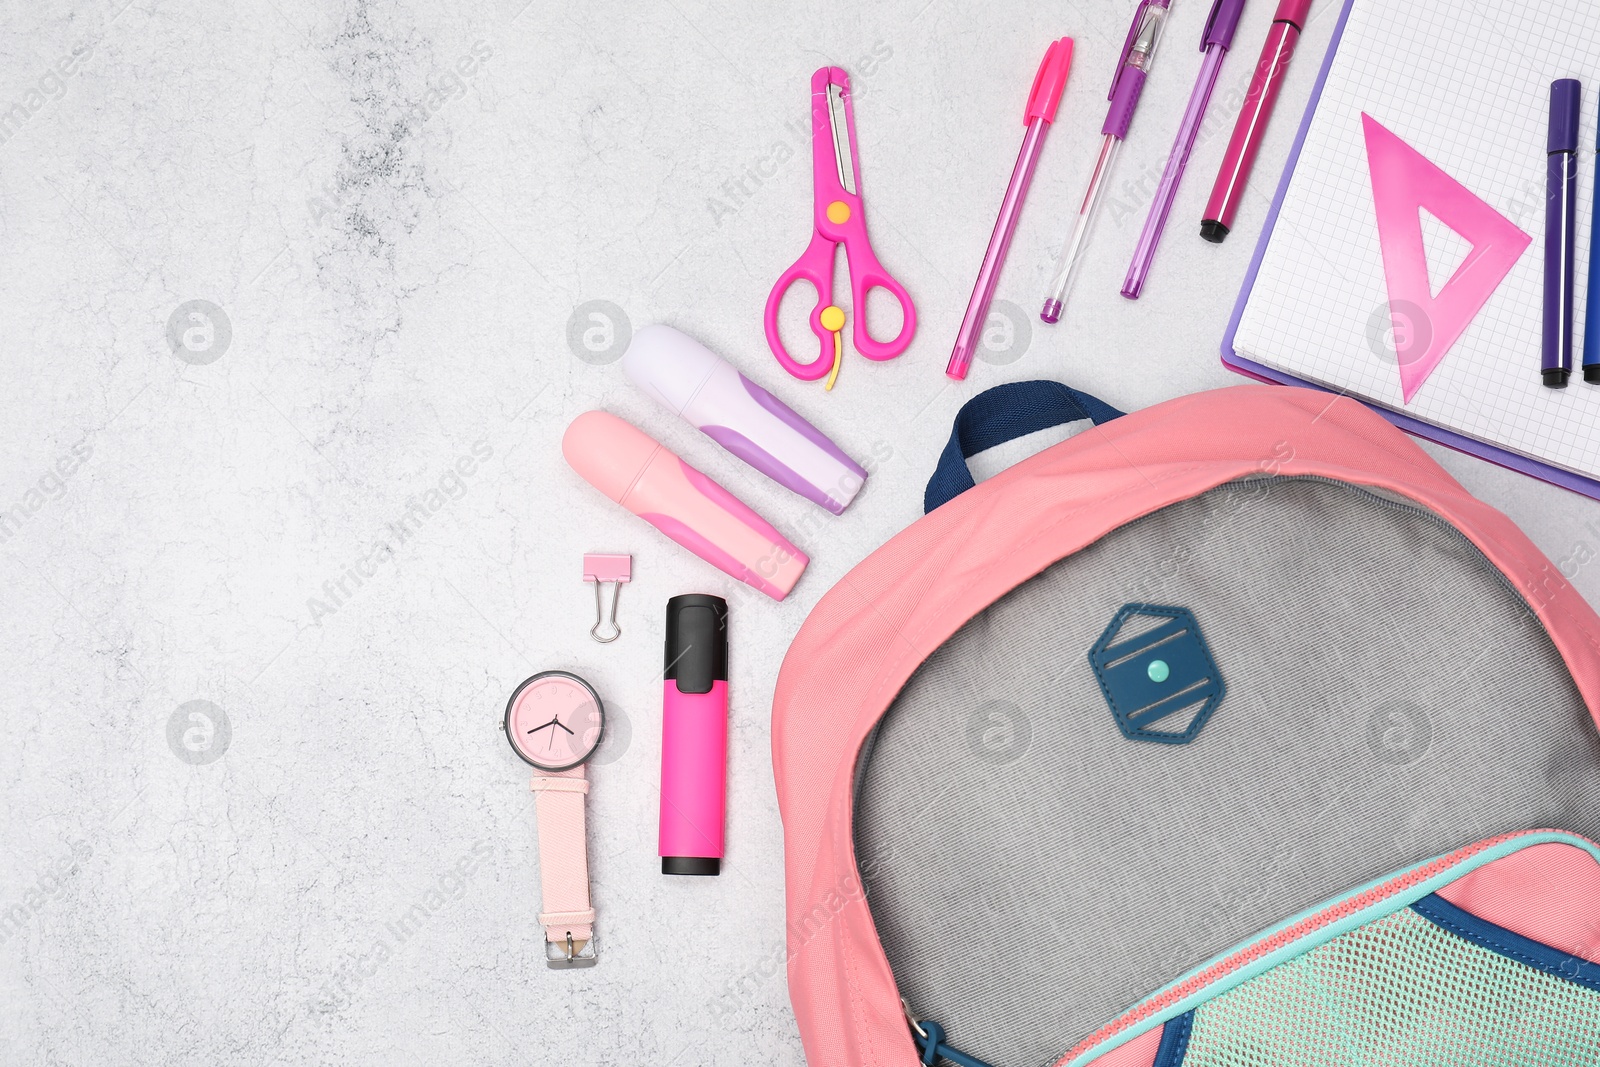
pixel 839 125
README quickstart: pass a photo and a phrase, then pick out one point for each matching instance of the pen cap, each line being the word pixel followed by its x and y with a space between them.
pixel 1050 82
pixel 607 452
pixel 697 642
pixel 1295 11
pixel 1222 24
pixel 1564 100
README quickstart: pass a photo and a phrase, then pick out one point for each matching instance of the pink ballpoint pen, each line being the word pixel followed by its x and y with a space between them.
pixel 1218 39
pixel 1138 53
pixel 1042 102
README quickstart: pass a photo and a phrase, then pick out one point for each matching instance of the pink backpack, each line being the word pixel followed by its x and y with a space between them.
pixel 1228 731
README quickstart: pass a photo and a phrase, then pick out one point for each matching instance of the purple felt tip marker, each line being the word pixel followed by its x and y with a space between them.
pixel 685 376
pixel 1560 217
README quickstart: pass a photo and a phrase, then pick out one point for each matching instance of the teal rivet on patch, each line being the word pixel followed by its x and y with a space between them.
pixel 1158 670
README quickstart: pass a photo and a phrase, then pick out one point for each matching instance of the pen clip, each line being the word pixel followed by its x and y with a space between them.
pixel 1127 47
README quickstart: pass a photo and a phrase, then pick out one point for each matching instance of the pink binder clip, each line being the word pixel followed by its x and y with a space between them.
pixel 600 568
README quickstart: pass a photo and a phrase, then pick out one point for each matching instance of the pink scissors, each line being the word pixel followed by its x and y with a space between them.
pixel 838 219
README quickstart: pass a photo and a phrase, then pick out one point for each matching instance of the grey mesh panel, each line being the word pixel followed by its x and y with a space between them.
pixel 1390 697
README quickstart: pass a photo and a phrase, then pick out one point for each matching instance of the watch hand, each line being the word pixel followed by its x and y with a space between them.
pixel 550 743
pixel 561 724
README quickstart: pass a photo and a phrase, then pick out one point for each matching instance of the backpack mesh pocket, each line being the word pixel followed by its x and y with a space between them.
pixel 1414 988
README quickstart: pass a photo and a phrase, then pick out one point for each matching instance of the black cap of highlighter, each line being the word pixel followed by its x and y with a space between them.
pixel 697 642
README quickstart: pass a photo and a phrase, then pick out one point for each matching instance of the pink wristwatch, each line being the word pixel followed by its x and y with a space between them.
pixel 554 721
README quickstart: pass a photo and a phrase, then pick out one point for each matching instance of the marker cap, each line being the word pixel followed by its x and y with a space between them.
pixel 707 391
pixel 670 366
pixel 1295 11
pixel 1565 95
pixel 697 642
pixel 607 452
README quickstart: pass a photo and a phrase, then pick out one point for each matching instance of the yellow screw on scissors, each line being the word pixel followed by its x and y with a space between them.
pixel 833 321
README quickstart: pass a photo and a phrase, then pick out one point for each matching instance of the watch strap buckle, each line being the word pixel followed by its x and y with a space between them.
pixel 567 953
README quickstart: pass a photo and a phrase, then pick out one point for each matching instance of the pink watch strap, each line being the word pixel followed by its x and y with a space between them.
pixel 567 918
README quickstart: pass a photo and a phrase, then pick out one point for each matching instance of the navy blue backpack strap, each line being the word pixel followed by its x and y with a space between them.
pixel 1005 413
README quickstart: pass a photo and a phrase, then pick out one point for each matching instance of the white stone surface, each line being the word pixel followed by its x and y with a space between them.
pixel 400 209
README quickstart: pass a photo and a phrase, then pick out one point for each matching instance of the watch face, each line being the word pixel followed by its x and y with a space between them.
pixel 554 720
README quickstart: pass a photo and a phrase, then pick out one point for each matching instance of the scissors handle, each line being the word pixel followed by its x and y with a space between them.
pixel 866 274
pixel 815 265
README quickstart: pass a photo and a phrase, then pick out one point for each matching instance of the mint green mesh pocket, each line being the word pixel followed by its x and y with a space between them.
pixel 1404 990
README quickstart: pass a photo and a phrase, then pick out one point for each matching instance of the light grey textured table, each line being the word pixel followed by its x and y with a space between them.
pixel 333 508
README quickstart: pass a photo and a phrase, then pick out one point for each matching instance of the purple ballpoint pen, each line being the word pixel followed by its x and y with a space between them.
pixel 1138 54
pixel 1218 39
pixel 1048 85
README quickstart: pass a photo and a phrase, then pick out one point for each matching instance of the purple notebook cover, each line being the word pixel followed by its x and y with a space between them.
pixel 1233 361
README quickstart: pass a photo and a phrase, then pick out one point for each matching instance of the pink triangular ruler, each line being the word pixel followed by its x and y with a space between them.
pixel 1427 326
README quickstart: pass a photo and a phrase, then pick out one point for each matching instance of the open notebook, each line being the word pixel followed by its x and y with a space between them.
pixel 1466 85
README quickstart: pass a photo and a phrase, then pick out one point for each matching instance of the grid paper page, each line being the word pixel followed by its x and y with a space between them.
pixel 1467 84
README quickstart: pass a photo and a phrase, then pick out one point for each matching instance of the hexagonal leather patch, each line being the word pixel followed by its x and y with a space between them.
pixel 1157 673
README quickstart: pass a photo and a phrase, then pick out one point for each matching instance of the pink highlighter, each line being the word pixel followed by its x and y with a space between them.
pixel 637 472
pixel 694 735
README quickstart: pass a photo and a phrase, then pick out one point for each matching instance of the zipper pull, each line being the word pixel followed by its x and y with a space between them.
pixel 929 1039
